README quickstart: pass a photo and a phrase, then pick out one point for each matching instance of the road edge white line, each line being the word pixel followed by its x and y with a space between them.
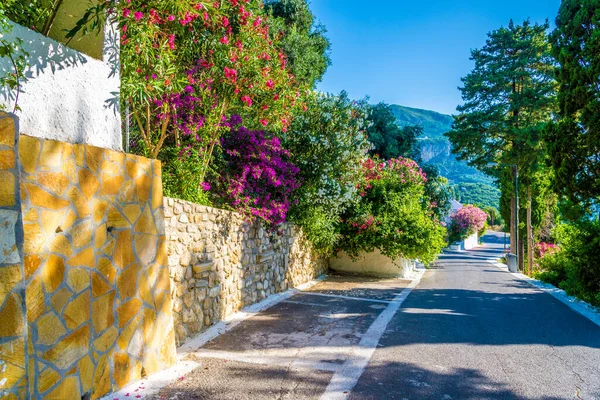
pixel 579 306
pixel 267 360
pixel 339 296
pixel 346 378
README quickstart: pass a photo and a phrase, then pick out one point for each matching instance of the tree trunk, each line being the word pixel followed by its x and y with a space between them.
pixel 513 213
pixel 530 243
pixel 521 255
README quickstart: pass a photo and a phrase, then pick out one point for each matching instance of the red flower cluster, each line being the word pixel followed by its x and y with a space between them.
pixel 363 225
pixel 230 74
pixel 543 249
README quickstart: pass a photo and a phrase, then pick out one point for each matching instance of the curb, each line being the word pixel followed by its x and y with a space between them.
pixel 579 306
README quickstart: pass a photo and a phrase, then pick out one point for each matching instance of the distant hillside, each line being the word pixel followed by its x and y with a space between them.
pixel 436 149
pixel 434 124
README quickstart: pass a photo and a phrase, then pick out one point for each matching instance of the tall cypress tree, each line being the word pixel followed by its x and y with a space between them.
pixel 574 139
pixel 508 99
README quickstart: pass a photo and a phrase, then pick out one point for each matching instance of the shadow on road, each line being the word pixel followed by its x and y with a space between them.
pixel 416 382
pixel 510 313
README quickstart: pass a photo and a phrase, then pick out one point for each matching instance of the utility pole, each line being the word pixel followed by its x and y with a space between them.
pixel 516 211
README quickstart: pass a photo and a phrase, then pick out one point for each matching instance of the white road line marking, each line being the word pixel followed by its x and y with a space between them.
pixel 255 358
pixel 579 306
pixel 339 296
pixel 344 380
pixel 306 303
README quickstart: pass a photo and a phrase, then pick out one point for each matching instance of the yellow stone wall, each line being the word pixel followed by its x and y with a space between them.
pixel 221 263
pixel 13 331
pixel 90 269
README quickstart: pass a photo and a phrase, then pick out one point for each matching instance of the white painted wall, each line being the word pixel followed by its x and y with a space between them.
pixel 374 263
pixel 471 242
pixel 69 96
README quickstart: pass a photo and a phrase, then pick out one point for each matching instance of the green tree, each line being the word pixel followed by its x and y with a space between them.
pixel 480 194
pixel 437 191
pixel 302 39
pixel 389 139
pixel 327 142
pixel 574 139
pixel 508 99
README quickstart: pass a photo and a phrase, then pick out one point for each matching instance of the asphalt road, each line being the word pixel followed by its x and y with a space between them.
pixel 472 331
pixel 467 331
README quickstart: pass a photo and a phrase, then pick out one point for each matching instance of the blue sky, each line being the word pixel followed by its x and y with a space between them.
pixel 413 53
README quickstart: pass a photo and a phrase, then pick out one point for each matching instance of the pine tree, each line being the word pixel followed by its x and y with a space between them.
pixel 508 99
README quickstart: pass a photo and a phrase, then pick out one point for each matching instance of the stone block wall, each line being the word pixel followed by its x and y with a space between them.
pixel 220 263
pixel 98 312
pixel 13 328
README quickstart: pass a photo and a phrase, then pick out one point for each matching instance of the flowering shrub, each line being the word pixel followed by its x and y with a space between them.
pixel 258 180
pixel 186 64
pixel 405 171
pixel 543 249
pixel 465 222
pixel 327 142
pixel 392 214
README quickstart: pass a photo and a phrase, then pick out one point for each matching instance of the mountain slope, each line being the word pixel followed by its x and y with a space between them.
pixel 434 124
pixel 471 185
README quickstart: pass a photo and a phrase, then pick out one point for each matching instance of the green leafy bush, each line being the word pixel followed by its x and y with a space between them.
pixel 576 267
pixel 392 215
pixel 14 77
pixel 327 142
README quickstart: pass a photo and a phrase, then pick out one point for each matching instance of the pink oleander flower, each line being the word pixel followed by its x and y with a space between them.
pixel 230 73
pixel 543 249
pixel 138 15
pixel 247 100
pixel 224 40
pixel 466 221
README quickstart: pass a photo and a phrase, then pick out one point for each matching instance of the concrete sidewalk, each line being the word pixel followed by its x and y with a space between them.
pixel 309 346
